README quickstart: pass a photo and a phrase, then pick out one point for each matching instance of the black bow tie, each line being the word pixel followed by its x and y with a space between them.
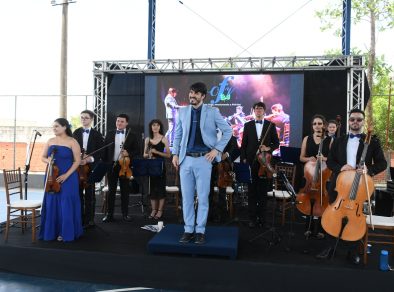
pixel 119 131
pixel 85 131
pixel 351 136
pixel 259 122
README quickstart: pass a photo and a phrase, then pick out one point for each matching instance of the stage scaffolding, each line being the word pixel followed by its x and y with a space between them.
pixel 354 66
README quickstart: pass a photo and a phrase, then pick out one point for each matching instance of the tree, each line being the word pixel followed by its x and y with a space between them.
pixel 379 14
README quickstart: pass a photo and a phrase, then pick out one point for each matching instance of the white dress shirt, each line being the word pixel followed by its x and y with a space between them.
pixel 259 128
pixel 351 151
pixel 119 140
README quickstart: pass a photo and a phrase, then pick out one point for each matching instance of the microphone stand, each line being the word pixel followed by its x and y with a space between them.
pixel 29 154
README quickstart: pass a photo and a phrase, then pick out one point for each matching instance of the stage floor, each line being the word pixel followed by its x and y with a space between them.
pixel 116 253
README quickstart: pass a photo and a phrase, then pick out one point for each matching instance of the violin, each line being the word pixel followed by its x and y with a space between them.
pixel 226 175
pixel 83 172
pixel 344 218
pixel 313 198
pixel 52 172
pixel 125 163
pixel 264 159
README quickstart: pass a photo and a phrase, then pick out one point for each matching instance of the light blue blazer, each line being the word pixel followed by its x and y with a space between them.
pixel 211 120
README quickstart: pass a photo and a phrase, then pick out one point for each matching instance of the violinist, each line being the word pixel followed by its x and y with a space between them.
pixel 309 151
pixel 61 211
pixel 344 155
pixel 156 146
pixel 122 147
pixel 254 131
pixel 89 140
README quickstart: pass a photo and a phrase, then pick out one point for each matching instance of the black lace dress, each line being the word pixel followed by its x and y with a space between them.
pixel 158 183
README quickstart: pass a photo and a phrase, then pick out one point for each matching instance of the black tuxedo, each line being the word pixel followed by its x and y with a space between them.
pixel 257 194
pixel 131 146
pixel 337 157
pixel 87 195
pixel 250 143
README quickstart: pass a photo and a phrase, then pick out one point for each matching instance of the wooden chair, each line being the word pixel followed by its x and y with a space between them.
pixel 383 233
pixel 173 186
pixel 280 192
pixel 229 199
pixel 22 211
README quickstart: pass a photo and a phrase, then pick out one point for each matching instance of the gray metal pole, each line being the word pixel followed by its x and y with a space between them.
pixel 63 62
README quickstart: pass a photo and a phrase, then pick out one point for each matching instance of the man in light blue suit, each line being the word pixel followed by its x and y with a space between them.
pixel 195 147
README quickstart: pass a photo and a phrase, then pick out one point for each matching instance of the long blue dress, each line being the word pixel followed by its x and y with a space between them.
pixel 61 212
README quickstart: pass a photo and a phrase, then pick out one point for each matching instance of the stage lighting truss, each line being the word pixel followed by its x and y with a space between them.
pixel 354 66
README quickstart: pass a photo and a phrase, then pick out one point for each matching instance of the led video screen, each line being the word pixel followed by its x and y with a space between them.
pixel 234 95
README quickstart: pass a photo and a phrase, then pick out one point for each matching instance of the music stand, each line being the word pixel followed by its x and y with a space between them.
pixel 242 176
pixel 147 168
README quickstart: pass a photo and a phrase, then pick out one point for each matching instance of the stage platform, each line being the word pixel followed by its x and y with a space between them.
pixel 116 254
pixel 220 241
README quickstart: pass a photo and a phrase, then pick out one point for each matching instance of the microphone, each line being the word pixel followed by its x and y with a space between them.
pixel 37 133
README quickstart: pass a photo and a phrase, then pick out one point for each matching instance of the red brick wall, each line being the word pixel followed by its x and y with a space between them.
pixel 7 156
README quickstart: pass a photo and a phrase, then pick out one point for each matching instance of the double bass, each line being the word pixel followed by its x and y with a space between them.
pixel 313 198
pixel 345 218
pixel 225 174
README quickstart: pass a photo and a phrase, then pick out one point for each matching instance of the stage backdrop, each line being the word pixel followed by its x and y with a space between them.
pixel 299 95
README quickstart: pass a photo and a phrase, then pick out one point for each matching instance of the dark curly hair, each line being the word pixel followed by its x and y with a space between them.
pixel 64 123
pixel 155 121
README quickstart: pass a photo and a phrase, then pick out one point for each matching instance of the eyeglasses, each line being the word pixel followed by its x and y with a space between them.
pixel 85 118
pixel 356 119
pixel 317 123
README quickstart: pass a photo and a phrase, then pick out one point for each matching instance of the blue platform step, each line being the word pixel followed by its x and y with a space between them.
pixel 220 241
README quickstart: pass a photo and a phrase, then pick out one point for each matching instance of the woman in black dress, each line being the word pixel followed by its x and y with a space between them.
pixel 156 146
pixel 309 152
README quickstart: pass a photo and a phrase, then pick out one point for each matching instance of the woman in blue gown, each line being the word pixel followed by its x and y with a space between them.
pixel 61 212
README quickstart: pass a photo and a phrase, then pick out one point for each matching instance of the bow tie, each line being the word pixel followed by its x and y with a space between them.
pixel 351 136
pixel 259 122
pixel 120 132
pixel 85 131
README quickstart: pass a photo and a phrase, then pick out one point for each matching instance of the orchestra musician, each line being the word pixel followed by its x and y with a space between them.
pixel 254 131
pixel 309 151
pixel 124 146
pixel 89 140
pixel 156 146
pixel 345 155
pixel 280 119
pixel 61 210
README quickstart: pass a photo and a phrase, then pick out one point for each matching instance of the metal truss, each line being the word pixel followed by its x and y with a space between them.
pixel 354 65
pixel 100 104
pixel 152 29
pixel 346 21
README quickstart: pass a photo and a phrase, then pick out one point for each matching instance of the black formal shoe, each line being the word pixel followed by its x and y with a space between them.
pixel 186 237
pixel 200 238
pixel 127 218
pixel 252 224
pixel 325 254
pixel 108 218
pixel 354 257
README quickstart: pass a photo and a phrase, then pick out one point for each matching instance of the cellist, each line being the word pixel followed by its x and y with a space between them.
pixel 89 140
pixel 309 151
pixel 124 145
pixel 345 154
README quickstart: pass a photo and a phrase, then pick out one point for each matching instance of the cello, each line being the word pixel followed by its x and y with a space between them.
pixel 225 174
pixel 344 218
pixel 313 198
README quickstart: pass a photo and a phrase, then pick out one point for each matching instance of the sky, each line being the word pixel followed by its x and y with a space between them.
pixel 30 34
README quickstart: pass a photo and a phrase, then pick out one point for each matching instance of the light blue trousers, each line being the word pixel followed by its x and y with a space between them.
pixel 195 174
